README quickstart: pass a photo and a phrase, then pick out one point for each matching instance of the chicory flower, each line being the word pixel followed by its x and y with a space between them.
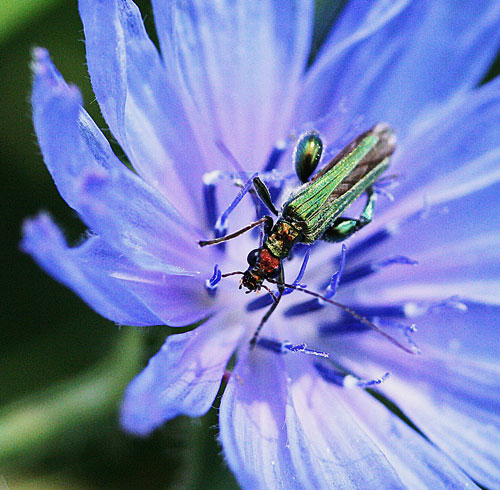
pixel 234 75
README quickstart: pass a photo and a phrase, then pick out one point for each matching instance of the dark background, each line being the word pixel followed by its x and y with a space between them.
pixel 63 368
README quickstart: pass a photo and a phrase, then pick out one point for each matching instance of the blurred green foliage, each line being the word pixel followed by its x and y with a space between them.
pixel 17 14
pixel 63 367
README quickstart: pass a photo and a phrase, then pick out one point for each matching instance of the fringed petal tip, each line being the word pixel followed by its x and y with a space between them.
pixel 41 63
pixel 35 230
pixel 47 79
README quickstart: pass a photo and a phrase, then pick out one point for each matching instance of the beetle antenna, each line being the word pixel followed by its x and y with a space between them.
pixel 351 312
pixel 215 241
pixel 227 274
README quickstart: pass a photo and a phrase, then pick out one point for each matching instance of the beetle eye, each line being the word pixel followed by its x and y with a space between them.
pixel 253 256
pixel 307 155
pixel 275 273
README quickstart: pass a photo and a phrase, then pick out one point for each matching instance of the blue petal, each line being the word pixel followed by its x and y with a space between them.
pixel 294 434
pixel 140 104
pixel 406 67
pixel 177 300
pixel 359 20
pixel 61 127
pixel 84 270
pixel 468 268
pixel 455 147
pixel 115 203
pixel 328 447
pixel 450 163
pixel 240 63
pixel 182 378
pixel 454 400
pixel 472 333
pixel 252 417
pixel 418 463
pixel 134 218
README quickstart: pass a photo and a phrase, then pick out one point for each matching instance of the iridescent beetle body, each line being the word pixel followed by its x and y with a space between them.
pixel 313 211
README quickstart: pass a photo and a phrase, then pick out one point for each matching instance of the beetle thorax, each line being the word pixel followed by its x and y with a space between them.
pixel 282 238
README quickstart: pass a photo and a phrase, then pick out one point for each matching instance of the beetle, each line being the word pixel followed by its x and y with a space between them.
pixel 313 211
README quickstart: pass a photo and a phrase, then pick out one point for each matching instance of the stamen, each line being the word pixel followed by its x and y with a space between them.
pixel 210 197
pixel 275 156
pixel 334 281
pixel 259 303
pixel 341 327
pixel 318 303
pixel 303 308
pixel 330 374
pixel 211 284
pixel 451 302
pixel 346 325
pixel 391 311
pixel 372 240
pixel 408 331
pixel 366 270
pixel 300 275
pixel 413 309
pixel 344 379
pixel 352 381
pixel 221 224
pixel 286 347
pixel 353 313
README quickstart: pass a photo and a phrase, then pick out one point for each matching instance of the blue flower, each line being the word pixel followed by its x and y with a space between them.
pixel 233 75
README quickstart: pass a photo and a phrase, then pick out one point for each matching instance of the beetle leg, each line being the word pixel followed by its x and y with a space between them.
pixel 281 289
pixel 264 195
pixel 343 228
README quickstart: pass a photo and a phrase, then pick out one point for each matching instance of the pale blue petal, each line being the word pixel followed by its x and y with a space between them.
pixel 327 446
pixel 62 128
pixel 453 399
pixel 133 217
pixel 472 333
pixel 418 463
pixel 448 175
pixel 177 300
pixel 407 66
pixel 240 63
pixel 112 284
pixel 181 379
pixel 84 269
pixel 294 433
pixel 451 153
pixel 139 103
pixel 252 424
pixel 359 20
pixel 114 202
pixel 468 267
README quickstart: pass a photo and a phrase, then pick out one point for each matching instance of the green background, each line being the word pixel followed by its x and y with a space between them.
pixel 63 368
